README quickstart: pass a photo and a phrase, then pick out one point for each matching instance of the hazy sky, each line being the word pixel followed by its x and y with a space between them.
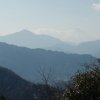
pixel 69 20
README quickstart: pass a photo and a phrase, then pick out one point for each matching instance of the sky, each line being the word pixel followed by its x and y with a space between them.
pixel 69 20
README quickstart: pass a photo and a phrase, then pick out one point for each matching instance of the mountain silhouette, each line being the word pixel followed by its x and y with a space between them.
pixel 28 39
pixel 28 63
pixel 25 38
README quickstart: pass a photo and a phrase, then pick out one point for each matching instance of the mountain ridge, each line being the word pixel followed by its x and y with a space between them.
pixel 25 38
pixel 28 39
pixel 28 62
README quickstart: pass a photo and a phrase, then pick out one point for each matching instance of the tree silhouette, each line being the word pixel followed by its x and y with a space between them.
pixel 2 98
pixel 85 85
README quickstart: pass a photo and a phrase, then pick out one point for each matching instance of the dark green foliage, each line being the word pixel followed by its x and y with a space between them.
pixel 2 98
pixel 85 85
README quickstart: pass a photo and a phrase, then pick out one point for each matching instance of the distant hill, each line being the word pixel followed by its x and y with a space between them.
pixel 28 39
pixel 64 47
pixel 28 63
pixel 91 47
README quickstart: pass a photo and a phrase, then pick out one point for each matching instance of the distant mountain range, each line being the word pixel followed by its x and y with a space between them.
pixel 29 63
pixel 91 47
pixel 34 56
pixel 28 39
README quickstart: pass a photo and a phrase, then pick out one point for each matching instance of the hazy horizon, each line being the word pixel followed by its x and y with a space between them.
pixel 71 21
pixel 40 34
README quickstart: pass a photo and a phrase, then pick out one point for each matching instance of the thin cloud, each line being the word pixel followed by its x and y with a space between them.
pixel 72 35
pixel 96 6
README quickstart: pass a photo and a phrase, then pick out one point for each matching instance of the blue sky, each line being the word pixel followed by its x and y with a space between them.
pixel 68 20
